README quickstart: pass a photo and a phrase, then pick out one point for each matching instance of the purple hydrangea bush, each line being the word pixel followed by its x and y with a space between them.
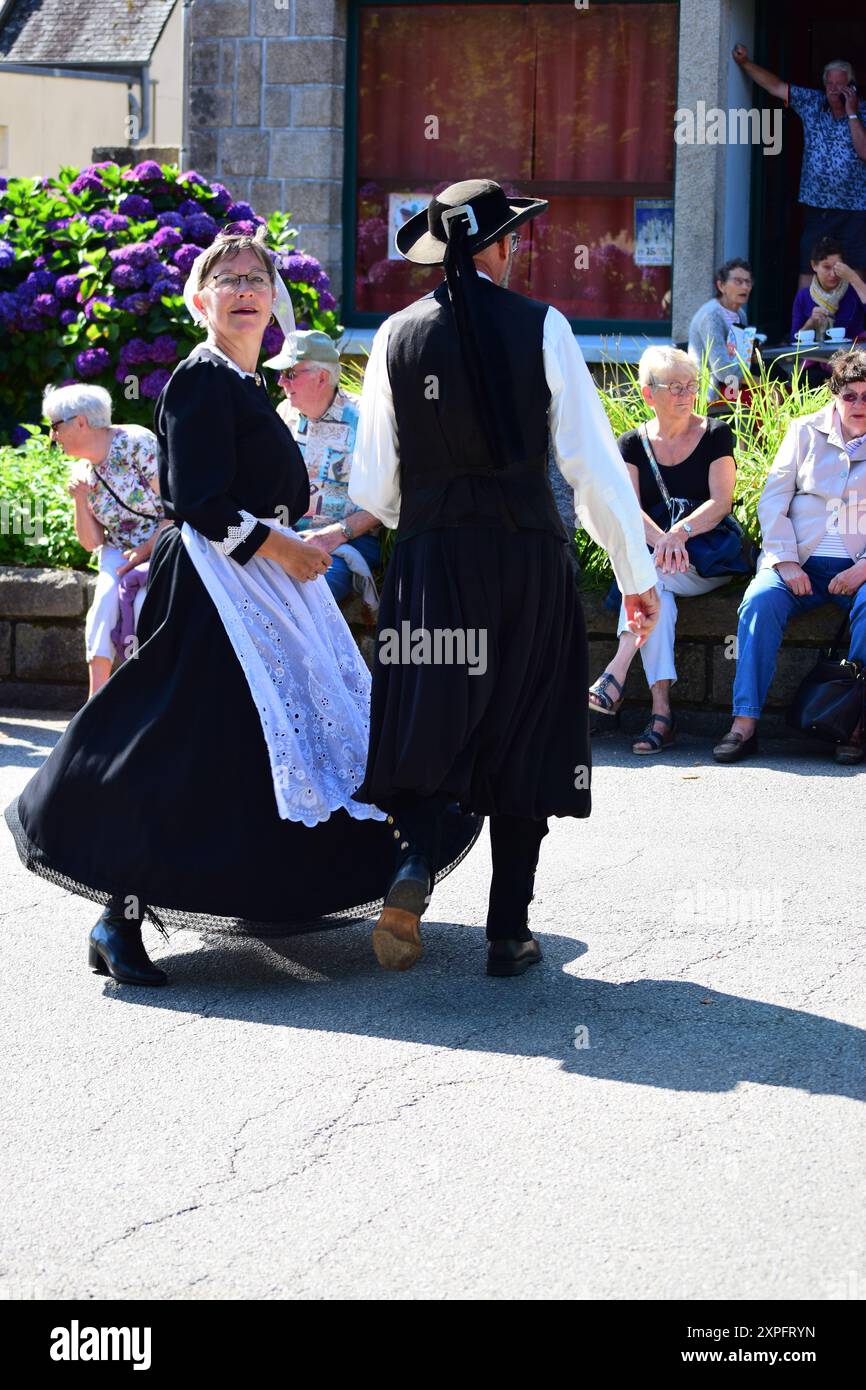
pixel 92 269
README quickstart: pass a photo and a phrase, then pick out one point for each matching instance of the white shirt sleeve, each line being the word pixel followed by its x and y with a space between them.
pixel 588 458
pixel 374 476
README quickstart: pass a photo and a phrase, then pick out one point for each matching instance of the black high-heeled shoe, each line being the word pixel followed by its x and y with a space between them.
pixel 115 948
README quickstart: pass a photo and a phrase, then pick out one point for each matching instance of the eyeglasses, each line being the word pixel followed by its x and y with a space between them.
pixel 55 424
pixel 849 397
pixel 676 388
pixel 227 281
pixel 741 281
pixel 293 373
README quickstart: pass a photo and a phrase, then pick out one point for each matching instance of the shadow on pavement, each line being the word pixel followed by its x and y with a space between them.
pixel 674 1034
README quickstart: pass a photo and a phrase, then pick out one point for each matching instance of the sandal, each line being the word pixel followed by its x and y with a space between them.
pixel 602 703
pixel 656 740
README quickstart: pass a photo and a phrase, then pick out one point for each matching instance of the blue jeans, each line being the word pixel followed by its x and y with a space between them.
pixel 339 576
pixel 766 607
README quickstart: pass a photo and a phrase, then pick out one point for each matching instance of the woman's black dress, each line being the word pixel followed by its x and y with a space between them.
pixel 161 785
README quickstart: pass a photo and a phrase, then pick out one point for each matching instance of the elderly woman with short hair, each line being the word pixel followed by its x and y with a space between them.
pixel 719 333
pixel 695 457
pixel 118 511
pixel 810 512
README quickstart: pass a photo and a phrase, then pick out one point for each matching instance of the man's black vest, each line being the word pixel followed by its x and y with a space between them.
pixel 447 475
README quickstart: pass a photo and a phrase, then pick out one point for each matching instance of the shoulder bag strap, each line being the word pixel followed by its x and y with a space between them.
pixel 660 482
pixel 148 516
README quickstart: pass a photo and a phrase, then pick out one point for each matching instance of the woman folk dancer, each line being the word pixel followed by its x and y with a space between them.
pixel 209 782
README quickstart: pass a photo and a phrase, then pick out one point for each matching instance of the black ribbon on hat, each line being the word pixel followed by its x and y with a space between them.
pixel 480 344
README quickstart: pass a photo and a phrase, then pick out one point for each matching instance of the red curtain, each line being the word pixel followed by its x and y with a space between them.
pixel 572 105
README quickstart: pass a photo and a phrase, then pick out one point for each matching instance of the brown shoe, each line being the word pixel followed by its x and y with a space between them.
pixel 397 933
pixel 734 747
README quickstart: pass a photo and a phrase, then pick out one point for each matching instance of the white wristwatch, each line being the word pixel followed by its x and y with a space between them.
pixel 687 527
pixel 344 527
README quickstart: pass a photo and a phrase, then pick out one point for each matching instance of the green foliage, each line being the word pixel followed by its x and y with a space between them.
pixel 36 512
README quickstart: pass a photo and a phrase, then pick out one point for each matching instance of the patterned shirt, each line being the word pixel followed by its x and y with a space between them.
pixel 833 174
pixel 327 445
pixel 131 464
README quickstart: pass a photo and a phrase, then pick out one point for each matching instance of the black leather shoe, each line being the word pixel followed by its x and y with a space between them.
pixel 510 957
pixel 397 935
pixel 733 748
pixel 116 949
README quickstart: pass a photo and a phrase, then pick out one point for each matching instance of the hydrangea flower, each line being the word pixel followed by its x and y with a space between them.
pixel 240 212
pixel 302 268
pixel 68 316
pixel 200 228
pixel 327 300
pixel 139 254
pixel 87 183
pixel 136 303
pixel 273 340
pixel 184 256
pixel 46 305
pixel 144 172
pixel 169 219
pixel 134 205
pixel 223 199
pixel 192 177
pixel 152 384
pixel 7 255
pixel 127 277
pixel 98 299
pixel 163 349
pixel 67 286
pixel 115 222
pixel 189 207
pixel 97 220
pixel 167 237
pixel 134 352
pixel 91 362
pixel 163 287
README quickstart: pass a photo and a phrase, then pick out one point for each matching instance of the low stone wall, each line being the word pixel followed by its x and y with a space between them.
pixel 42 614
pixel 42 663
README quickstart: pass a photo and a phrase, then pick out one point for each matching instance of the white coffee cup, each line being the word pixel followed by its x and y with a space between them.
pixel 835 334
pixel 806 335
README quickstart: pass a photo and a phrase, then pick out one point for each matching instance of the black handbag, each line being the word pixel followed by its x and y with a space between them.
pixel 831 700
pixel 724 550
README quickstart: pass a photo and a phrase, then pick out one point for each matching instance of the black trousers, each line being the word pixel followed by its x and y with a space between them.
pixel 515 843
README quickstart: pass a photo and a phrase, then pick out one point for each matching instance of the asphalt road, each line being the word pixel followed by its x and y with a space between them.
pixel 666 1108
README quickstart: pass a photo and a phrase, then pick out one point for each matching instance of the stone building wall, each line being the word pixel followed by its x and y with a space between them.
pixel 266 110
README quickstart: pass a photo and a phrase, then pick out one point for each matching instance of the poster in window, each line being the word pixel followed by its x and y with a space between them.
pixel 653 231
pixel 402 206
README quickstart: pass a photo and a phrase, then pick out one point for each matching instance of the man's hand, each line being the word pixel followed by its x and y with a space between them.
pixel 848 581
pixel 641 614
pixel 740 54
pixel 852 103
pixel 796 578
pixel 327 538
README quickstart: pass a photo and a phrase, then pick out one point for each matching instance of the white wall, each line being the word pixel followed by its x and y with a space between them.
pixel 57 120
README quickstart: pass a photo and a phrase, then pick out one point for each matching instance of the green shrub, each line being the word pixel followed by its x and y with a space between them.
pixel 36 511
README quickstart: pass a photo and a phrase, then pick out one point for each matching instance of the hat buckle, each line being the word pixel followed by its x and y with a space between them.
pixel 462 210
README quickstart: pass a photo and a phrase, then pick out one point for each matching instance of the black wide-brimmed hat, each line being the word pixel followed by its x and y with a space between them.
pixel 424 238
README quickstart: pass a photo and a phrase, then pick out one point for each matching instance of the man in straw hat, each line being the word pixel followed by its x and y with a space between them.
pixel 481 667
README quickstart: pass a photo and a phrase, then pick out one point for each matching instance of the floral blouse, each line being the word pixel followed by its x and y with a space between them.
pixel 128 469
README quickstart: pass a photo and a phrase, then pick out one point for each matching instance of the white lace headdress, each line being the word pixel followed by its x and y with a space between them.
pixel 282 310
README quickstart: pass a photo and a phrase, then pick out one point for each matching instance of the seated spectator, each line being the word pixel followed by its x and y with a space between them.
pixel 323 418
pixel 719 334
pixel 814 550
pixel 835 299
pixel 117 507
pixel 695 458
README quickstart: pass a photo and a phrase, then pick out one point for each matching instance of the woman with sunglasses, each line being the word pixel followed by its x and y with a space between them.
pixel 813 523
pixel 694 456
pixel 209 784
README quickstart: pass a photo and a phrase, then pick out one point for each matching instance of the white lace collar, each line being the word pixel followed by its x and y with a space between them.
pixel 210 346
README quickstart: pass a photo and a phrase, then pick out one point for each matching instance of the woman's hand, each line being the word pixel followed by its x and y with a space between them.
pixel 848 581
pixel 796 578
pixel 670 555
pixel 136 556
pixel 296 557
pixel 79 490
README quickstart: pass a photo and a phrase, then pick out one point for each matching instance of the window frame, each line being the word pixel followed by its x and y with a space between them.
pixel 363 318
